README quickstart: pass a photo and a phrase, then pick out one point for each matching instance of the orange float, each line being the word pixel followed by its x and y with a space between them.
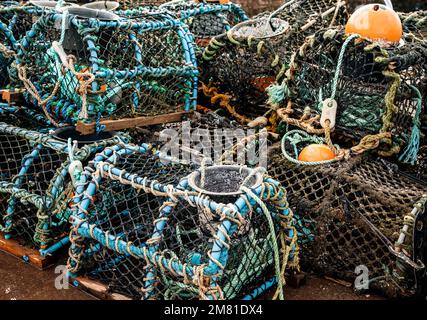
pixel 375 22
pixel 315 153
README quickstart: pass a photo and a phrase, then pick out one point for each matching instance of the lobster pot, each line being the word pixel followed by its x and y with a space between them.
pixel 206 19
pixel 147 240
pixel 361 214
pixel 254 54
pixel 236 75
pixel 304 17
pixel 143 66
pixel 35 184
pixel 377 89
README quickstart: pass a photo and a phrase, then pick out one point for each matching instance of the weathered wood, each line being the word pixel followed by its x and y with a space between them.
pixel 12 96
pixel 98 289
pixel 127 123
pixel 32 256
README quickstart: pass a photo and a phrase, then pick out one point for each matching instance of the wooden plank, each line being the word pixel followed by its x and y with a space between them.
pixel 120 124
pixel 98 289
pixel 32 256
pixel 12 96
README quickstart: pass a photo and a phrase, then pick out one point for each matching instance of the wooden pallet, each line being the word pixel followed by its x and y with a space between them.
pixel 97 289
pixel 120 124
pixel 31 256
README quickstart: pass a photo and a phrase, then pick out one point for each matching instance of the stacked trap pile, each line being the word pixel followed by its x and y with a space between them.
pixel 250 57
pixel 201 238
pixel 36 181
pixel 362 215
pixel 88 70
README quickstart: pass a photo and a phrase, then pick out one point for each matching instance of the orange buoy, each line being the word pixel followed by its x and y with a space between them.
pixel 375 22
pixel 315 153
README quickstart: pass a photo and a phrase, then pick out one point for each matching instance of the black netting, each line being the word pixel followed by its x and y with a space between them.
pixel 378 89
pixel 254 54
pixel 358 213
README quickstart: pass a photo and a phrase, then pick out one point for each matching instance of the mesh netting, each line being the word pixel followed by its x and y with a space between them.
pixel 35 184
pixel 146 240
pixel 254 54
pixel 205 19
pixel 359 213
pixel 415 23
pixel 377 88
pixel 135 4
pixel 142 66
pixel 15 21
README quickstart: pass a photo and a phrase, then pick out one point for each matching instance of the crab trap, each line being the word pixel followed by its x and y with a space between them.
pixel 415 25
pixel 211 138
pixel 207 19
pixel 151 229
pixel 361 215
pixel 15 20
pixel 38 171
pixel 109 73
pixel 372 94
pixel 239 66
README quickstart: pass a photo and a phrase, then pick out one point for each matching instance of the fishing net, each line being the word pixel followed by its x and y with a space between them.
pixel 415 23
pixel 207 19
pixel 362 213
pixel 243 63
pixel 377 92
pixel 88 69
pixel 15 21
pixel 146 239
pixel 35 183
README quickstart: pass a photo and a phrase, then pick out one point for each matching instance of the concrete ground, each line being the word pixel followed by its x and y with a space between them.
pixel 19 281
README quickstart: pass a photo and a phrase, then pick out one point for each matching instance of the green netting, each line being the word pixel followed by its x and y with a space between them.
pixel 377 88
pixel 35 183
pixel 85 69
